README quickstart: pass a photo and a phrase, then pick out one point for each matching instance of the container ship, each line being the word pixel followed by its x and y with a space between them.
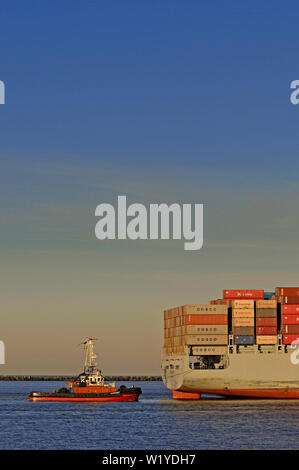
pixel 243 345
pixel 89 385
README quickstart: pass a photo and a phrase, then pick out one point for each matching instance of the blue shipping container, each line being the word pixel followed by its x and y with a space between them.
pixel 244 339
pixel 268 295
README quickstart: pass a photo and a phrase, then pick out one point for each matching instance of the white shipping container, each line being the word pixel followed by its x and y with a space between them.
pixel 204 309
pixel 271 303
pixel 242 304
pixel 205 329
pixel 209 350
pixel 245 313
pixel 205 339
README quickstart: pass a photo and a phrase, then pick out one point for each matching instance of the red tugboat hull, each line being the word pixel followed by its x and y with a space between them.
pixel 129 397
pixel 64 394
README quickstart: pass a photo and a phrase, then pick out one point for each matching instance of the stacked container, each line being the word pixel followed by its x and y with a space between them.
pixel 249 315
pixel 287 295
pixel 290 323
pixel 205 327
pixel 269 295
pixel 243 321
pixel 289 300
pixel 233 294
pixel 266 321
pixel 216 302
pixel 172 324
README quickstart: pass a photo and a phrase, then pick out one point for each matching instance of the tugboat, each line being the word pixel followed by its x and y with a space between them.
pixel 89 385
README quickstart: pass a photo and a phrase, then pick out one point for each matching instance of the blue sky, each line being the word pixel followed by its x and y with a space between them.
pixel 163 101
pixel 118 80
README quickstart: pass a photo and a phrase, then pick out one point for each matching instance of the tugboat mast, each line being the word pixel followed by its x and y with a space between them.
pixel 90 365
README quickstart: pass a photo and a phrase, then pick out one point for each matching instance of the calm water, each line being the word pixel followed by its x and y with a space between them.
pixel 156 422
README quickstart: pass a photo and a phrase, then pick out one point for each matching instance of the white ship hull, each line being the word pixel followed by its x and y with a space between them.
pixel 259 372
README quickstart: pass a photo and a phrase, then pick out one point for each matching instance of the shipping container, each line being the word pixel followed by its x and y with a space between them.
pixel 246 313
pixel 243 330
pixel 290 319
pixel 242 322
pixel 205 329
pixel 244 339
pixel 266 321
pixel 176 350
pixel 243 294
pixel 260 304
pixel 290 339
pixel 290 309
pixel 204 309
pixel 242 304
pixel 269 295
pixel 177 340
pixel 167 350
pixel 266 339
pixel 288 291
pixel 290 329
pixel 288 300
pixel 266 330
pixel 266 313
pixel 172 323
pixel 171 313
pixel 205 320
pixel 209 350
pixel 205 339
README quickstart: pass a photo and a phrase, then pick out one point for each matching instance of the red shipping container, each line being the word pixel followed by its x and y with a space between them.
pixel 271 321
pixel 288 300
pixel 289 291
pixel 290 319
pixel 266 330
pixel 289 339
pixel 243 294
pixel 290 329
pixel 206 319
pixel 290 309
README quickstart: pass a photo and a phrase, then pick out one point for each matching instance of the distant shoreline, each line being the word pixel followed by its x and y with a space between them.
pixel 65 378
